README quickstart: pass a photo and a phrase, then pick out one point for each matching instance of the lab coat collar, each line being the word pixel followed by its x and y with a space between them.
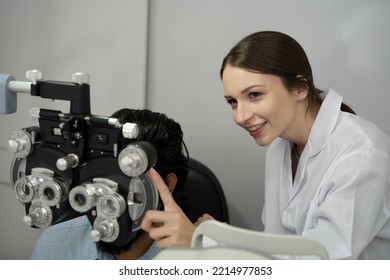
pixel 321 130
pixel 324 123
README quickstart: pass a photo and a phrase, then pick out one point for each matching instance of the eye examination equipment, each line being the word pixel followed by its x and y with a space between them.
pixel 76 163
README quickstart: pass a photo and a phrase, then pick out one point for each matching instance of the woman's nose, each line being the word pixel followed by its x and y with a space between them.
pixel 242 114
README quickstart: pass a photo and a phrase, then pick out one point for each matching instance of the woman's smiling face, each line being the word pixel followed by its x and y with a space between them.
pixel 261 104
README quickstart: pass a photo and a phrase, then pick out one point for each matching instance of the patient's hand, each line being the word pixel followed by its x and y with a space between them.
pixel 170 227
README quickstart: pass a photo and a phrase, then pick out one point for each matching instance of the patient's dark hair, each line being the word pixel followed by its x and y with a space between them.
pixel 166 136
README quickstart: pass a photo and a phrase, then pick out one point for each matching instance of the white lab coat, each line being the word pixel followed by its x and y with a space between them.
pixel 341 192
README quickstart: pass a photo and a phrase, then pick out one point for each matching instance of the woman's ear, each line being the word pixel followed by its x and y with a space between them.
pixel 171 181
pixel 302 95
pixel 301 91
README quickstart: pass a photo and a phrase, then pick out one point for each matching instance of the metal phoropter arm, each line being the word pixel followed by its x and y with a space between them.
pixel 77 92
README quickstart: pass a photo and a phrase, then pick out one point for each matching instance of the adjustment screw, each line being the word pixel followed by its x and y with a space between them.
pixel 34 75
pixel 80 78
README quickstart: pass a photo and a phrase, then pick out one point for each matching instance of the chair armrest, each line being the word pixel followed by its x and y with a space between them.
pixel 263 243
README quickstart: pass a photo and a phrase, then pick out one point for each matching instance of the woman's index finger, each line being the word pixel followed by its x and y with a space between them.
pixel 165 194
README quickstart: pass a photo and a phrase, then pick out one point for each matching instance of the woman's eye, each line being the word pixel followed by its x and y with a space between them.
pixel 231 102
pixel 254 94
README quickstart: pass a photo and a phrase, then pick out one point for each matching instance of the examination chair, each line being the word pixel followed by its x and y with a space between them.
pixel 203 194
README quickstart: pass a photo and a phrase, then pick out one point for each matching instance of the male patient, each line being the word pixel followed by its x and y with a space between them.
pixel 71 239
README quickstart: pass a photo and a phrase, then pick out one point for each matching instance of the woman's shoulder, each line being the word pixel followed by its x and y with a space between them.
pixel 353 130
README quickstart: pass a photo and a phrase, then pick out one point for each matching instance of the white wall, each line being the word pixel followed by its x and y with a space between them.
pixel 346 41
pixel 107 39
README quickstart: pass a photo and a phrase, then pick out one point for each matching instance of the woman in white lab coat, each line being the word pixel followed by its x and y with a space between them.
pixel 327 170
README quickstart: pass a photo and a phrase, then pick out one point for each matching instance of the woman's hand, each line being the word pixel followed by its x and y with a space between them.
pixel 205 217
pixel 170 227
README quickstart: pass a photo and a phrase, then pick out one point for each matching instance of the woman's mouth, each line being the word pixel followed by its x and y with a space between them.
pixel 256 130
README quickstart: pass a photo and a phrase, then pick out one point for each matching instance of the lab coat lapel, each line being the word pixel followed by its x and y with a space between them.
pixel 322 128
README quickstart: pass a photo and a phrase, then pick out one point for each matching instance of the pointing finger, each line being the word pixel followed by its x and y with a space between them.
pixel 165 194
